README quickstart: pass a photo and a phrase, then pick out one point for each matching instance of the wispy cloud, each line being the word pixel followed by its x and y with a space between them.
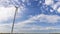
pixel 43 18
pixel 23 27
pixel 8 12
pixel 5 28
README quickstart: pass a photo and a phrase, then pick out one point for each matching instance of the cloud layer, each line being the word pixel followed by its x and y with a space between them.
pixel 8 12
pixel 24 27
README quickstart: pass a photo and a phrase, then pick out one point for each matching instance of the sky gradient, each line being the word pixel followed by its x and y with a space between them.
pixel 34 16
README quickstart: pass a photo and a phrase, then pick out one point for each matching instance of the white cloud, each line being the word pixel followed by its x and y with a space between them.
pixel 6 3
pixel 5 28
pixel 19 29
pixel 50 18
pixel 58 10
pixel 55 6
pixel 43 18
pixel 19 26
pixel 23 0
pixel 49 2
pixel 6 13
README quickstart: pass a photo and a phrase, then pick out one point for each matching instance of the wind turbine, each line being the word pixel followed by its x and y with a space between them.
pixel 16 10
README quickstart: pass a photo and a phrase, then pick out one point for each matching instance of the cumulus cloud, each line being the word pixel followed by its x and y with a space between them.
pixel 55 6
pixel 58 10
pixel 49 2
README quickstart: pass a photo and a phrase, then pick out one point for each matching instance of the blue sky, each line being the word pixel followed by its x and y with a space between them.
pixel 35 16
